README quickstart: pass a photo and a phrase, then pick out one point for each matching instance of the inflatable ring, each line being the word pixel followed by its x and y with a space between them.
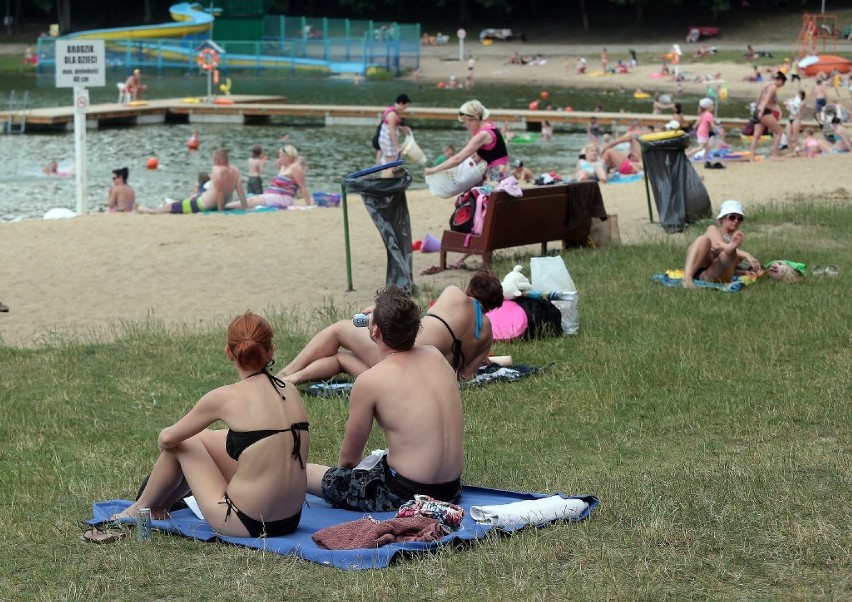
pixel 192 100
pixel 207 59
pixel 641 95
pixel 222 101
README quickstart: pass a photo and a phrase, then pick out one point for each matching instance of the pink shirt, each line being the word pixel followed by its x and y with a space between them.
pixel 705 120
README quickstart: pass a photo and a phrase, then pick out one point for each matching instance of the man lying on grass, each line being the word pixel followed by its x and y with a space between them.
pixel 413 395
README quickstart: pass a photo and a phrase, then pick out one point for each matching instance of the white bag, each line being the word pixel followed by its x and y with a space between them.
pixel 452 182
pixel 412 151
pixel 550 274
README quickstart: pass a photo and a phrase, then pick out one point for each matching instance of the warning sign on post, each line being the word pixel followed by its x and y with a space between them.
pixel 80 63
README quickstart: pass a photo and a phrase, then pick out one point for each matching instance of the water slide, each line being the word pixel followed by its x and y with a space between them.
pixel 191 21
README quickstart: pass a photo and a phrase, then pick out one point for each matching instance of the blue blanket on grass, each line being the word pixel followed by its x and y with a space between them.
pixel 728 287
pixel 317 514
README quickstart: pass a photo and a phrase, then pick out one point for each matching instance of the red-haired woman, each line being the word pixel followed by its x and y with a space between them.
pixel 250 480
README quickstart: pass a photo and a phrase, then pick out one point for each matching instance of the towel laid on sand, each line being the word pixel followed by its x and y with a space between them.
pixel 674 279
pixel 530 512
pixel 317 514
pixel 371 533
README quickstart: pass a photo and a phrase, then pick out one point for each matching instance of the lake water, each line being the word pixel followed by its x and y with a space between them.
pixel 26 193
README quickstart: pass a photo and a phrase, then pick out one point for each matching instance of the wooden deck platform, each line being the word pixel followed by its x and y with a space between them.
pixel 263 109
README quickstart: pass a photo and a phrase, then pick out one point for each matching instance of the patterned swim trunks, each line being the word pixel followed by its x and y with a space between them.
pixel 363 490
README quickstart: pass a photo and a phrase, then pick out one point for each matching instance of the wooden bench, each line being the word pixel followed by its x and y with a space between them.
pixel 560 212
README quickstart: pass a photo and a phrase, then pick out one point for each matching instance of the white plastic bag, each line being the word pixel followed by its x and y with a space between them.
pixel 451 182
pixel 549 274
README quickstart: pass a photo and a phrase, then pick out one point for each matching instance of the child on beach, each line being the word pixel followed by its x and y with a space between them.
pixel 256 163
pixel 705 125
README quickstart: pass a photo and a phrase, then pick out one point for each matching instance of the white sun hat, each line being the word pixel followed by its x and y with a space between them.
pixel 673 125
pixel 705 103
pixel 730 206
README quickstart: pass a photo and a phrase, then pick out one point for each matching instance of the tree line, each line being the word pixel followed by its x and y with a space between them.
pixel 586 14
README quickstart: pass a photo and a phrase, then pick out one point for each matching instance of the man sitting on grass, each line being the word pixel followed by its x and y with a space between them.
pixel 413 395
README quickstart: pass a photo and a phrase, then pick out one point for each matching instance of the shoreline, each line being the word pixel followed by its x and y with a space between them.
pixel 195 270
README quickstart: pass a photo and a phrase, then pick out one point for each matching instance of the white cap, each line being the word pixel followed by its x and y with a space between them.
pixel 705 103
pixel 729 207
pixel 673 125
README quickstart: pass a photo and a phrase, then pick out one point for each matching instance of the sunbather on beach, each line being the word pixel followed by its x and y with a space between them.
pixel 456 324
pixel 413 396
pixel 250 480
pixel 121 197
pixel 715 255
pixel 285 186
pixel 225 180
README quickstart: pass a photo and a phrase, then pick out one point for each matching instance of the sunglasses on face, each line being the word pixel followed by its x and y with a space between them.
pixel 735 217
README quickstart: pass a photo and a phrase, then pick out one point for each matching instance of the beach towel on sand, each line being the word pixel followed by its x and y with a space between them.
pixel 317 514
pixel 674 279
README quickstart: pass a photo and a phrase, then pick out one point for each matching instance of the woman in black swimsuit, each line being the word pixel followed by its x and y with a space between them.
pixel 249 481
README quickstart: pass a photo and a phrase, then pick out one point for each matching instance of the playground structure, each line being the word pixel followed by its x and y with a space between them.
pixel 298 46
pixel 816 45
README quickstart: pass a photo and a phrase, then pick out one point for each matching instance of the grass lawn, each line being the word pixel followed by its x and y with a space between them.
pixel 714 427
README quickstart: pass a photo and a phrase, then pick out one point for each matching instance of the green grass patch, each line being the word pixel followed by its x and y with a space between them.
pixel 714 427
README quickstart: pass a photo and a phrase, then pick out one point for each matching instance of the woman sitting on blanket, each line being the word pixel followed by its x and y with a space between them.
pixel 486 144
pixel 456 324
pixel 250 480
pixel 715 255
pixel 285 186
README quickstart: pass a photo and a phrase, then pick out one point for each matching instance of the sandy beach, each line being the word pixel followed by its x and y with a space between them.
pixel 88 273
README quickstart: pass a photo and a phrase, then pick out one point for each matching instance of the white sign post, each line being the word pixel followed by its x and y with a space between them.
pixel 462 34
pixel 80 64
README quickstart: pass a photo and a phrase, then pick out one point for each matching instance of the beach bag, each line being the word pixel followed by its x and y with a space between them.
pixel 463 215
pixel 376 135
pixel 449 183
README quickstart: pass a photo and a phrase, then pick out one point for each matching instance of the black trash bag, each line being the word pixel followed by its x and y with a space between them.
pixel 387 205
pixel 679 193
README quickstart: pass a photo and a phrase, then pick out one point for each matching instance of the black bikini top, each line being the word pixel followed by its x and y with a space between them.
pixel 237 441
pixel 456 348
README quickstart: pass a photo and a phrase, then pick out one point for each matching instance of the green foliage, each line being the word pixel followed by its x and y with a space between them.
pixel 714 427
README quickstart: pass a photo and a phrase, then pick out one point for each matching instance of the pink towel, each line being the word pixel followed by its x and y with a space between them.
pixel 371 533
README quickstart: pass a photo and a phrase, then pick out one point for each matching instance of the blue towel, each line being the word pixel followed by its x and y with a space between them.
pixel 728 287
pixel 618 178
pixel 317 514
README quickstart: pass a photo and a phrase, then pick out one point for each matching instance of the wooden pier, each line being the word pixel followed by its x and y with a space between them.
pixel 275 109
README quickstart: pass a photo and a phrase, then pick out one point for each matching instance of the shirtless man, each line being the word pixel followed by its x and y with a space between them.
pixel 225 179
pixel 766 103
pixel 413 396
pixel 455 324
pixel 714 255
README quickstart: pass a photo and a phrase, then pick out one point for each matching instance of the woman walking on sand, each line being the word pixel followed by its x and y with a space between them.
pixel 767 102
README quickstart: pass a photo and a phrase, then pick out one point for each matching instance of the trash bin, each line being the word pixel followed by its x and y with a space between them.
pixel 387 205
pixel 678 190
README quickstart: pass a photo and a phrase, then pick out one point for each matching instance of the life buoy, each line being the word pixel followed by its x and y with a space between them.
pixel 208 59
